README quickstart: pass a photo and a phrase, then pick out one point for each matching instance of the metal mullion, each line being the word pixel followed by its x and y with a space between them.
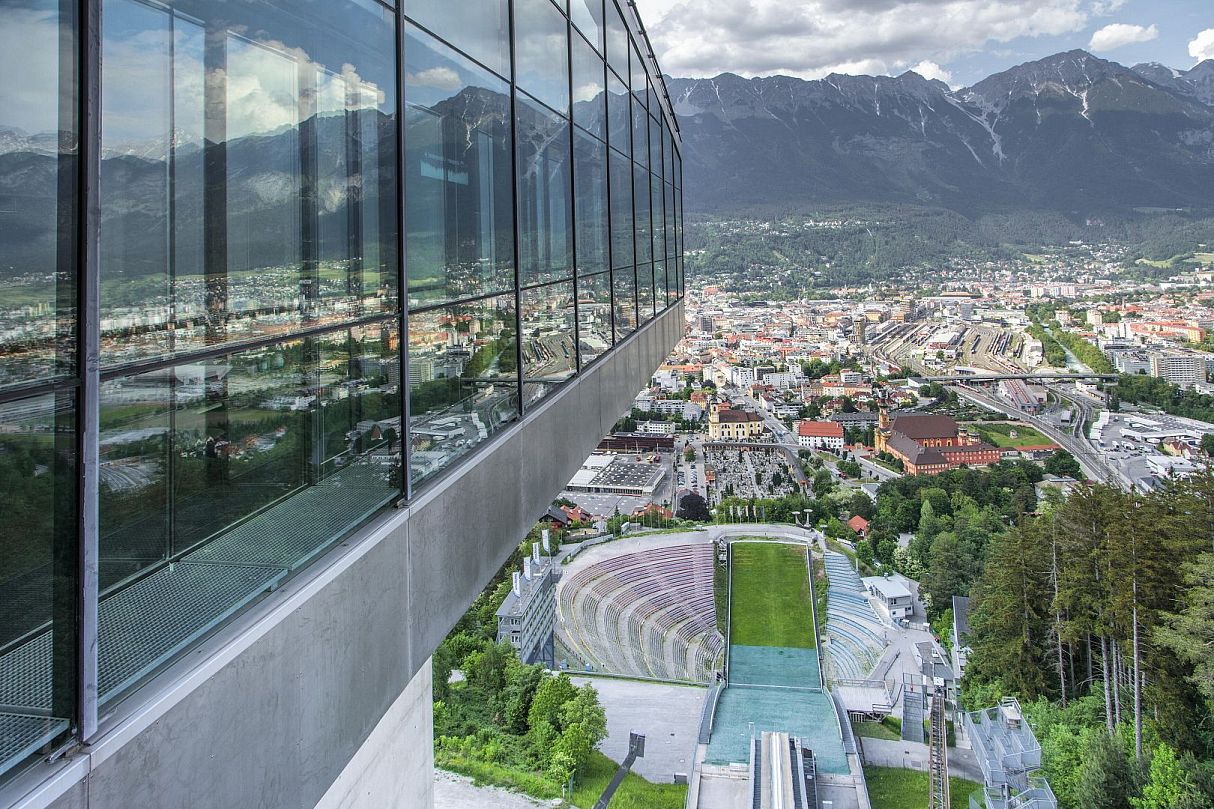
pixel 632 198
pixel 549 283
pixel 27 390
pixel 518 295
pixel 89 363
pixel 573 220
pixel 607 178
pixel 433 307
pixel 402 270
pixel 224 349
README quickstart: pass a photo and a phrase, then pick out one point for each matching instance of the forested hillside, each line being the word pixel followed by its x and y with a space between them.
pixel 785 251
pixel 1097 612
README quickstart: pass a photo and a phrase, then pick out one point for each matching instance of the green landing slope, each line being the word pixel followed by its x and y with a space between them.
pixel 771 596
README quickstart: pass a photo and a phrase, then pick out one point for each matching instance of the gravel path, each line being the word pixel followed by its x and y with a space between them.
pixel 453 791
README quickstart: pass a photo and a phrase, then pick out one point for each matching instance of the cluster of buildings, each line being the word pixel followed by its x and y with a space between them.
pixel 931 444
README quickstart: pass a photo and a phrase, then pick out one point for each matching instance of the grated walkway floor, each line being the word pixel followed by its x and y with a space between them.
pixel 144 624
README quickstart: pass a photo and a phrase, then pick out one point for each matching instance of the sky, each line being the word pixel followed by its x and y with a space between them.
pixel 956 41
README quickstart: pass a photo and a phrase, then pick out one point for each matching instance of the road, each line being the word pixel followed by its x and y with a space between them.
pixel 1090 460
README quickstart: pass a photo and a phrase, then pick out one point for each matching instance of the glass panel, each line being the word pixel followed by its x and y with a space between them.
pixel 589 98
pixel 238 469
pixel 587 15
pixel 638 80
pixel 38 562
pixel 549 355
pixel 667 152
pixel 459 238
pixel 248 171
pixel 463 380
pixel 671 237
pixel 661 296
pixel 658 217
pixel 645 298
pixel 541 52
pixel 479 28
pixel 545 213
pixel 621 211
pixel 619 115
pixel 625 301
pixel 594 316
pixel 590 178
pixel 678 235
pixel 617 40
pixel 640 201
pixel 655 146
pixel 640 135
pixel 37 192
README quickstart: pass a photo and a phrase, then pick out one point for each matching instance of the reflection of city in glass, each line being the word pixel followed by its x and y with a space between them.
pixel 325 274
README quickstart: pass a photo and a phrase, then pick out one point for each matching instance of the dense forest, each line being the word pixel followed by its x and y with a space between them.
pixel 1102 608
pixel 1156 392
pixel 1097 612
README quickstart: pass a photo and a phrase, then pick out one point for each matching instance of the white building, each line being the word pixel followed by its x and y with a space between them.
pixel 820 435
pixel 656 427
pixel 1181 369
pixel 892 593
pixel 527 617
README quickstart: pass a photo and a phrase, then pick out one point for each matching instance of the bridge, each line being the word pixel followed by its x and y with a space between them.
pixel 996 377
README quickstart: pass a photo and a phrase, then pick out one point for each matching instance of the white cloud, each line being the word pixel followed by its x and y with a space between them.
pixel 1202 46
pixel 930 70
pixel 438 78
pixel 1102 8
pixel 810 38
pixel 1119 34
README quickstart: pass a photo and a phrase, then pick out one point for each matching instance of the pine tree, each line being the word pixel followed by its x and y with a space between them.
pixel 1010 618
pixel 1106 780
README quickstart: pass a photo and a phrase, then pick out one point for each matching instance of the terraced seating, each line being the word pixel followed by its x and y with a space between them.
pixel 853 626
pixel 648 613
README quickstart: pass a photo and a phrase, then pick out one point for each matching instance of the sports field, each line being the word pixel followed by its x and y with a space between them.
pixel 771 596
pixel 999 433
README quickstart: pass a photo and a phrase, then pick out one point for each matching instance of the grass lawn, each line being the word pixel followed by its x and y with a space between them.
pixel 1205 258
pixel 770 596
pixel 634 793
pixel 892 788
pixel 1000 434
pixel 876 730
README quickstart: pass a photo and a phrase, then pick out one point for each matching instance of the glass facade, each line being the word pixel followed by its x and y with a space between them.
pixel 340 245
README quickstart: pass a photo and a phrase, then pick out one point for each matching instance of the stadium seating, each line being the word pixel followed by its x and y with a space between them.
pixel 852 625
pixel 646 613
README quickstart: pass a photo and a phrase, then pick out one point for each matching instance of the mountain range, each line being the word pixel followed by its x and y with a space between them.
pixel 1071 132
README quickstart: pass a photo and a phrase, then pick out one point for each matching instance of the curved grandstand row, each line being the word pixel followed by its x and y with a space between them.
pixel 646 613
pixel 853 626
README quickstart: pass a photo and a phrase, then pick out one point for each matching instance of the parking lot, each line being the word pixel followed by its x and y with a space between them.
pixel 1130 441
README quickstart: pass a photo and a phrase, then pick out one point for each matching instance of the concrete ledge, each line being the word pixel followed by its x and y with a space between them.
pixel 270 710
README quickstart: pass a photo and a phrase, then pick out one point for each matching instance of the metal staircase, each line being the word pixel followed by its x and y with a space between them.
pixel 912 714
pixel 938 797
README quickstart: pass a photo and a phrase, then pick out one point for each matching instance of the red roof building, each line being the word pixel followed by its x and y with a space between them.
pixel 820 434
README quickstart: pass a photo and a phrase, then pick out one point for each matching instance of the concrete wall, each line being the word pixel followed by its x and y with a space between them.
pixel 309 698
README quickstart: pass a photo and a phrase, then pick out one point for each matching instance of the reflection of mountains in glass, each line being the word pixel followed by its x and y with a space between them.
pixel 263 184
